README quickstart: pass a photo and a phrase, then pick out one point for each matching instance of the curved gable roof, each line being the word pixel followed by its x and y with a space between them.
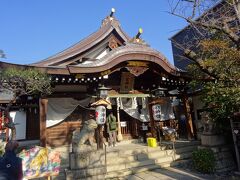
pixel 130 51
pixel 108 26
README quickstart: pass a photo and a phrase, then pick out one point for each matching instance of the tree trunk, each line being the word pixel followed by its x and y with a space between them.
pixel 188 115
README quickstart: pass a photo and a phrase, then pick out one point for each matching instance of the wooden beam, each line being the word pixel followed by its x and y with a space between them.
pixel 43 103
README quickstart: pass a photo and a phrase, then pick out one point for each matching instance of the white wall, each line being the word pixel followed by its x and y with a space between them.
pixel 19 118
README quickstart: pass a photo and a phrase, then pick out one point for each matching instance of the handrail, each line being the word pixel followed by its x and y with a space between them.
pixel 105 153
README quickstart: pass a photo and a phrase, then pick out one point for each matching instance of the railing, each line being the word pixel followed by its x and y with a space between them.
pixel 105 153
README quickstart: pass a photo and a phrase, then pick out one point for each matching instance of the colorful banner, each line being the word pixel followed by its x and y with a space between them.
pixel 40 162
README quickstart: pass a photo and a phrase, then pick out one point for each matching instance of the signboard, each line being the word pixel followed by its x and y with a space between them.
pixel 156 109
pixel 144 127
pixel 127 82
pixel 100 114
pixel 40 162
pixel 123 124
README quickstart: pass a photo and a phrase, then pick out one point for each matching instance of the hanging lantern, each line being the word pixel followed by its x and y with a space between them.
pixel 156 110
pixel 100 114
pixel 159 92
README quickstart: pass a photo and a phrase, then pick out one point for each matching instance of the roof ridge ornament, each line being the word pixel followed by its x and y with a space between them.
pixel 137 39
pixel 110 19
pixel 112 12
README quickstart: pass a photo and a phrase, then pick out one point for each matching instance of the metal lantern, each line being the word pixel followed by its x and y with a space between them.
pixel 159 92
pixel 103 92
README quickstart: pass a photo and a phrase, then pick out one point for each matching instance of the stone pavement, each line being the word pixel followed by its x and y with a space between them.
pixel 171 173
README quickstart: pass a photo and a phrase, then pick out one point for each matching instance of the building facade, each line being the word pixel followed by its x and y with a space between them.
pixel 129 67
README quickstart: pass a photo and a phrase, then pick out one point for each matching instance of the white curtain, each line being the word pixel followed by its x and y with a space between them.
pixel 130 106
pixel 167 109
pixel 60 108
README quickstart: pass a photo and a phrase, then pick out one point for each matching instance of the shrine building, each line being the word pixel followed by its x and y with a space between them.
pixel 144 88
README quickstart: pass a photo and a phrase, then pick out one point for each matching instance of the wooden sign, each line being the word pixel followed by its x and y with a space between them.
pixel 127 82
pixel 137 64
pixel 123 123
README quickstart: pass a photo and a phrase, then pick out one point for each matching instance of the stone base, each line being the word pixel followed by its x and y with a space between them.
pixel 82 148
pixel 212 140
pixel 86 164
pixel 86 159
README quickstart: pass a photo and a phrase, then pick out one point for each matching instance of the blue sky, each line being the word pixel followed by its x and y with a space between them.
pixel 33 30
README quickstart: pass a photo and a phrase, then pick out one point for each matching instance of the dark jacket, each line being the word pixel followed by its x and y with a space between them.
pixel 10 166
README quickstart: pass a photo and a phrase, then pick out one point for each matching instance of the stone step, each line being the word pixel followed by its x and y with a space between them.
pixel 182 156
pixel 186 149
pixel 179 148
pixel 179 144
pixel 84 173
pixel 128 161
pixel 148 151
pixel 134 170
pixel 138 157
pixel 117 174
pixel 119 160
pixel 154 154
pixel 130 141
pixel 134 164
pixel 183 153
pixel 96 177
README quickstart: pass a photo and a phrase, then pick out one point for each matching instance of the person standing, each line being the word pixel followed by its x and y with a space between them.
pixel 144 129
pixel 111 129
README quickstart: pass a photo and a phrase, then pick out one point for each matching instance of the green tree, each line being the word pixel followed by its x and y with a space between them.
pixel 214 50
pixel 20 82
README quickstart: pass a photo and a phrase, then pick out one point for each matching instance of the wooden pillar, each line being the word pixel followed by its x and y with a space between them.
pixel 152 122
pixel 100 127
pixel 100 136
pixel 119 135
pixel 188 115
pixel 43 103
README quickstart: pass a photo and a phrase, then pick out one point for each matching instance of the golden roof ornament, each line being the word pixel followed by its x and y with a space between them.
pixel 110 18
pixel 137 39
